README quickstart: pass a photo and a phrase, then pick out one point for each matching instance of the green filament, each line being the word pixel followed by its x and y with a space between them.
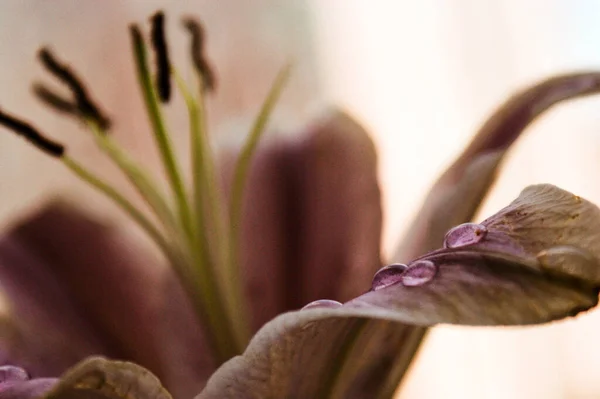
pixel 242 167
pixel 117 198
pixel 141 181
pixel 243 163
pixel 209 217
pixel 160 131
pixel 199 241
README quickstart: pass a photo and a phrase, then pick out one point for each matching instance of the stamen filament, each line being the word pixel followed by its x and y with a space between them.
pixel 241 171
pixel 218 327
pixel 243 162
pixel 207 204
pixel 142 182
pixel 207 198
pixel 160 133
pixel 105 188
pixel 199 243
pixel 204 299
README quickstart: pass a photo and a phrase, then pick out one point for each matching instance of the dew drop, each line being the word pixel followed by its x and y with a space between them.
pixel 323 303
pixel 12 373
pixel 387 276
pixel 419 273
pixel 464 234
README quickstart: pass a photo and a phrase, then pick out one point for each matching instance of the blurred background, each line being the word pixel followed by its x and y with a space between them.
pixel 420 75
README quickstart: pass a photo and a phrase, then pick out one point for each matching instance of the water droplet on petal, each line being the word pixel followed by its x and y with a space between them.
pixel 419 273
pixel 464 234
pixel 387 276
pixel 12 373
pixel 323 303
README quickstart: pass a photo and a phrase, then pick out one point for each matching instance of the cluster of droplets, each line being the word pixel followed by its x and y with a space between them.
pixel 419 272
pixel 423 271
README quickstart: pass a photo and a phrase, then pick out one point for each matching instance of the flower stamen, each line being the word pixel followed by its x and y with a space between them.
pixel 84 103
pixel 31 134
pixel 199 242
pixel 206 74
pixel 163 66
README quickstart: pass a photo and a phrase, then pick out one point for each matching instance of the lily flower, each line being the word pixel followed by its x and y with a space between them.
pixel 274 286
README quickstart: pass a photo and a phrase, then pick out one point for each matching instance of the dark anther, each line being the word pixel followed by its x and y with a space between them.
pixel 197 49
pixel 163 66
pixel 33 135
pixel 136 36
pixel 54 100
pixel 85 105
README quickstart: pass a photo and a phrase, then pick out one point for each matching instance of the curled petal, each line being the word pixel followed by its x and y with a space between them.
pixel 294 355
pixel 457 194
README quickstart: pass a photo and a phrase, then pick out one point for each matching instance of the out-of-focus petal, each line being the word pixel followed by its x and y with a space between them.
pixel 186 358
pixel 42 330
pixel 85 285
pixel 312 215
pixel 340 219
pixel 16 384
pixel 269 233
pixel 31 389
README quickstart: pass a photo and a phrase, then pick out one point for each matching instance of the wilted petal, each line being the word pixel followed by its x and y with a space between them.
pixel 99 378
pixel 542 217
pixel 332 350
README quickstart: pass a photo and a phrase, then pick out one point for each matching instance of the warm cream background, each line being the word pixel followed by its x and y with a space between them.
pixel 421 75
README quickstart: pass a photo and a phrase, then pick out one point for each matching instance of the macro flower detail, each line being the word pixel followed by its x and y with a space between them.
pixel 464 234
pixel 274 285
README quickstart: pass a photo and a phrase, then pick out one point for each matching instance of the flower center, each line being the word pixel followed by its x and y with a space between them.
pixel 198 236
